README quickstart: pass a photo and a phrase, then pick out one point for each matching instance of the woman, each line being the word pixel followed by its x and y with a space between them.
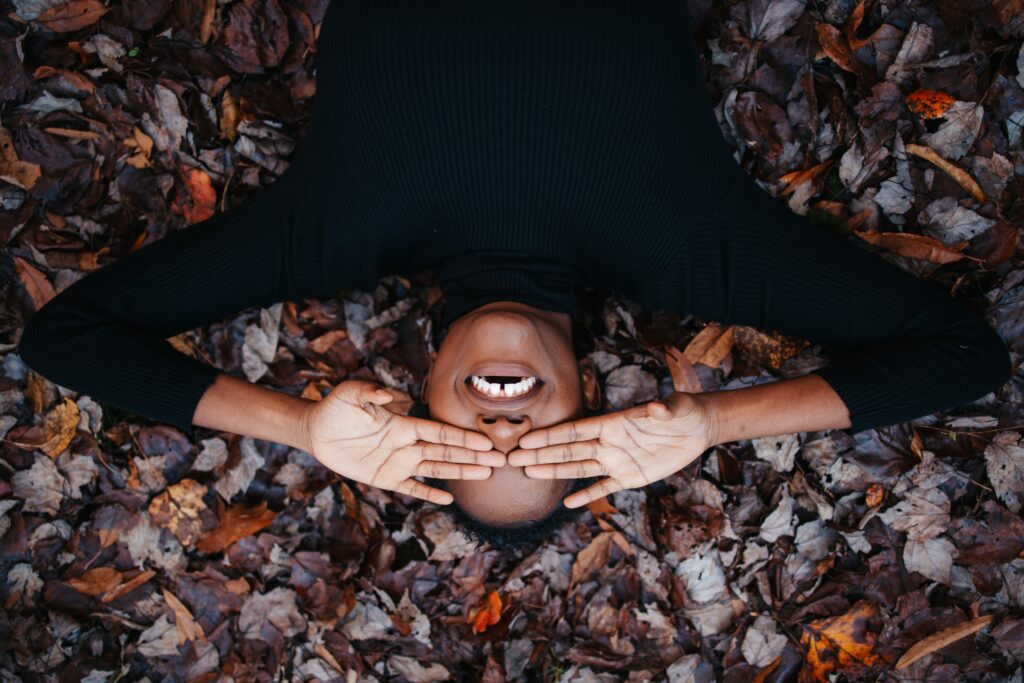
pixel 520 149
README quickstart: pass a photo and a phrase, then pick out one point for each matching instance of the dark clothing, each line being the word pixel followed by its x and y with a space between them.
pixel 521 150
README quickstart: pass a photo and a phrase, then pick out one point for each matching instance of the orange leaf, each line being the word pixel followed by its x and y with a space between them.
pixel 236 523
pixel 96 581
pixel 914 246
pixel 840 644
pixel 601 507
pixel 200 200
pixel 487 614
pixel 876 495
pixel 929 104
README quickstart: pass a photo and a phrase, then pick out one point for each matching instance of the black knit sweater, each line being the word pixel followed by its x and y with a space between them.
pixel 520 149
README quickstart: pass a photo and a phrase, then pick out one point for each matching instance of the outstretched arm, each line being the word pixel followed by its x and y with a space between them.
pixel 906 348
pixel 106 334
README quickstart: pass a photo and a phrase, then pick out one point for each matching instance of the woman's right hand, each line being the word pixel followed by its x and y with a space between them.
pixel 351 433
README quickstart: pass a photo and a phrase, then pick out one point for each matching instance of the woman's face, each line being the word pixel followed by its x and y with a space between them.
pixel 503 342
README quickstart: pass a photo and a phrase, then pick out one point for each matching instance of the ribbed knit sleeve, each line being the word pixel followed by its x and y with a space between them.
pixel 903 347
pixel 106 334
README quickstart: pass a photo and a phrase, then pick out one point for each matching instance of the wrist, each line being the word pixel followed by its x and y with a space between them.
pixel 712 418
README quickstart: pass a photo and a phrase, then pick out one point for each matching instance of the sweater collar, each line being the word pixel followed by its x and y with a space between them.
pixel 470 279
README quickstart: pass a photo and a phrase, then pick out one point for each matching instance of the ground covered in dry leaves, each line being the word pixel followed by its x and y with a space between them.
pixel 129 552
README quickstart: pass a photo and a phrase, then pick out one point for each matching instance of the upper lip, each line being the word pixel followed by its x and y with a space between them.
pixel 503 401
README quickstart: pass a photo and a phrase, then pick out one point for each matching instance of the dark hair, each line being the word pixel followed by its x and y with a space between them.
pixel 518 535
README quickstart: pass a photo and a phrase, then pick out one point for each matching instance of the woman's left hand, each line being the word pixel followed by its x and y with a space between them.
pixel 631 447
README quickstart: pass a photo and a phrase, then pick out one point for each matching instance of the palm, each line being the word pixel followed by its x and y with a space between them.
pixel 351 433
pixel 631 447
pixel 636 449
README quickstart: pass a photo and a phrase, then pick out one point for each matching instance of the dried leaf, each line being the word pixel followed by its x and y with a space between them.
pixel 939 640
pixel 1004 460
pixel 486 614
pixel 711 345
pixel 929 104
pixel 841 644
pixel 72 16
pixel 957 134
pixel 236 523
pixel 915 246
pixel 952 170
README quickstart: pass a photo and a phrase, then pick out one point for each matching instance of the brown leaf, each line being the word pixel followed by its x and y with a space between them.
pixel 181 509
pixel 711 345
pixel 14 170
pixel 72 16
pixel 36 285
pixel 962 177
pixel 762 349
pixel 915 246
pixel 128 586
pixel 60 426
pixel 236 523
pixel 834 44
pixel 941 639
pixel 187 627
pixel 96 581
pixel 596 555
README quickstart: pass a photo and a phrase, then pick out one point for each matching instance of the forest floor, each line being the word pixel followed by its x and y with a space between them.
pixel 130 552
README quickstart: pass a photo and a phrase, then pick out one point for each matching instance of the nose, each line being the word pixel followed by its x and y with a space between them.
pixel 504 431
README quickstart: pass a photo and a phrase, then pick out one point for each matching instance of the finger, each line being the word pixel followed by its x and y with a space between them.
pixel 451 470
pixel 442 432
pixel 417 489
pixel 566 432
pixel 566 452
pixel 594 492
pixel 445 453
pixel 566 470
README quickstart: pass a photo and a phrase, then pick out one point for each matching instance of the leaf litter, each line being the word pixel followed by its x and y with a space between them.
pixel 130 552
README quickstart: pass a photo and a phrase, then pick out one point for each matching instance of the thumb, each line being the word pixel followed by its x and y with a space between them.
pixel 659 411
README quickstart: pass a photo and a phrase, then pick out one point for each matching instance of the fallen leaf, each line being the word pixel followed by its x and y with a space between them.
pixel 841 644
pixel 187 627
pixel 236 523
pixel 711 345
pixel 929 104
pixel 486 614
pixel 961 176
pixel 915 246
pixel 959 131
pixel 72 16
pixel 939 640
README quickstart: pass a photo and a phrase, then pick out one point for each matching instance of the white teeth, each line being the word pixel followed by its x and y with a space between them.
pixel 504 390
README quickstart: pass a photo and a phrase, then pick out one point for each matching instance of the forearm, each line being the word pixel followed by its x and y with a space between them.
pixel 234 405
pixel 787 406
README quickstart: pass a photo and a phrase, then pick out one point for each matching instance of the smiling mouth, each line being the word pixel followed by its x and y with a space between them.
pixel 503 387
